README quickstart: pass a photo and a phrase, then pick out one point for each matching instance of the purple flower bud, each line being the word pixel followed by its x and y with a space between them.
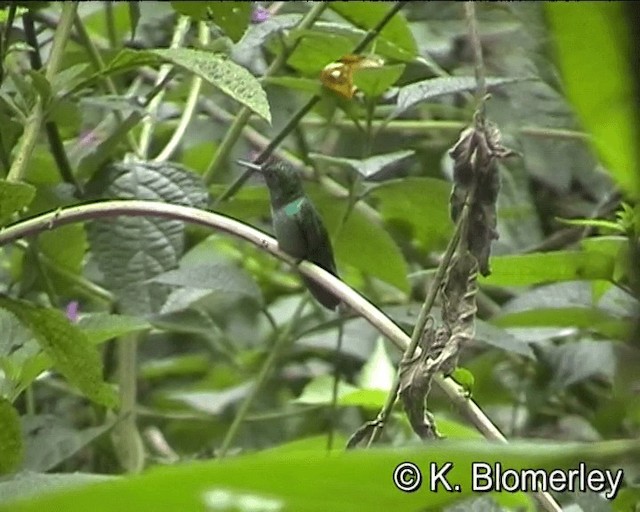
pixel 259 14
pixel 72 311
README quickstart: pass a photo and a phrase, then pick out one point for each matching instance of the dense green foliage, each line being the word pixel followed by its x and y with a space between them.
pixel 133 342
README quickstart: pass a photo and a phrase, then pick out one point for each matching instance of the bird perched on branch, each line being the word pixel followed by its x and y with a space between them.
pixel 299 228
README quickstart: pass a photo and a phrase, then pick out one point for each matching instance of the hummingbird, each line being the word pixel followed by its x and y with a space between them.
pixel 299 228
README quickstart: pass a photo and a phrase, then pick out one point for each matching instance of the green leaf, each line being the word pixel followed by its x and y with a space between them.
pixel 232 79
pixel 257 34
pixel 363 244
pixel 575 362
pixel 13 198
pixel 368 167
pixel 49 441
pixel 374 82
pixel 419 205
pixel 310 85
pixel 11 447
pixel 72 354
pixel 316 49
pixel 525 269
pixel 320 392
pixel 367 15
pixel 417 92
pixel 595 56
pixel 465 378
pixel 195 10
pixel 353 481
pixel 66 246
pixel 132 250
pixel 27 484
pixel 214 277
pixel 101 327
pixel 232 17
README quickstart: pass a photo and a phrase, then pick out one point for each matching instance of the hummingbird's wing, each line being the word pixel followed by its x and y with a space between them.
pixel 319 249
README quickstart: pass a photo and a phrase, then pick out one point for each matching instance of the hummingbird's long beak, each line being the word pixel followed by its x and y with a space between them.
pixel 250 165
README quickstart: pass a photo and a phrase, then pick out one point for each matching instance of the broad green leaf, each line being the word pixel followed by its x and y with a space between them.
pixel 72 354
pixel 417 92
pixel 368 167
pixel 595 54
pixel 132 250
pixel 101 327
pixel 232 17
pixel 13 198
pixel 526 269
pixel 49 441
pixel 465 378
pixel 366 15
pixel 344 482
pixel 374 82
pixel 195 10
pixel 11 446
pixel 65 246
pixel 213 402
pixel 418 205
pixel 361 243
pixel 316 49
pixel 232 79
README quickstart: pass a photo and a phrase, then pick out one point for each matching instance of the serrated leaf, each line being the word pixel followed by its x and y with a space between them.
pixel 417 92
pixel 13 198
pixel 132 250
pixel 375 81
pixel 367 15
pixel 49 441
pixel 378 372
pixel 232 79
pixel 72 354
pixel 368 167
pixel 419 205
pixel 11 447
pixel 101 327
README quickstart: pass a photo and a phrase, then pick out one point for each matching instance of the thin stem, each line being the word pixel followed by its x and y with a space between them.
pixel 476 45
pixel 241 119
pixel 190 105
pixel 36 117
pixel 53 134
pixel 336 385
pixel 282 342
pixel 148 125
pixel 98 64
pixel 423 317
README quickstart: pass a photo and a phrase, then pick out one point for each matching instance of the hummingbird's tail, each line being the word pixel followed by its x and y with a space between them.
pixel 322 295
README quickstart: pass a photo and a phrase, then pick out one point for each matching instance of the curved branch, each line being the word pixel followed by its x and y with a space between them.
pixel 386 326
